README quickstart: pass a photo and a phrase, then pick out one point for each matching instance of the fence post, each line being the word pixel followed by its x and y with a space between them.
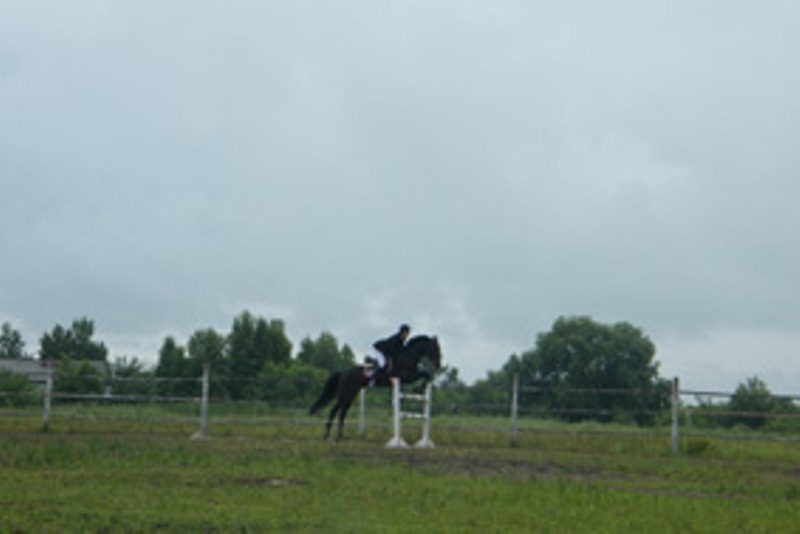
pixel 425 441
pixel 675 414
pixel 48 395
pixel 362 410
pixel 397 441
pixel 204 404
pixel 514 408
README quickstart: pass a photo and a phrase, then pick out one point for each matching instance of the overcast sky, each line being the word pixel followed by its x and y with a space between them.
pixel 476 169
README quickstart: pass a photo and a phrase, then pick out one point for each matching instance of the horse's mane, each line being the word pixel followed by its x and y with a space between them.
pixel 414 344
pixel 416 340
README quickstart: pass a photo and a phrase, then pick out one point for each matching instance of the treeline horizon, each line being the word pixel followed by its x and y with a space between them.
pixel 257 361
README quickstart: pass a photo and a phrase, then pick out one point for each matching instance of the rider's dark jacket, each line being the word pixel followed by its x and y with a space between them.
pixel 391 347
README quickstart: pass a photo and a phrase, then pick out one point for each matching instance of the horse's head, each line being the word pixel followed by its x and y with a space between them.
pixel 435 353
pixel 425 348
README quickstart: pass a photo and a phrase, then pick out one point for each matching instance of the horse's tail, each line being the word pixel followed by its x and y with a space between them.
pixel 328 392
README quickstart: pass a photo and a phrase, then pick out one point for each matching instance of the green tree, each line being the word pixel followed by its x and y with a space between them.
pixel 131 377
pixel 293 385
pixel 251 344
pixel 324 353
pixel 209 347
pixel 452 394
pixel 16 389
pixel 176 375
pixel 245 358
pixel 271 339
pixel 449 379
pixel 586 370
pixel 82 332
pixel 56 345
pixel 74 343
pixel 489 396
pixel 12 346
pixel 753 401
pixel 78 377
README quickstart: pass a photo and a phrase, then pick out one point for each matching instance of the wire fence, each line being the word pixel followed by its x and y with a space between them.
pixel 515 410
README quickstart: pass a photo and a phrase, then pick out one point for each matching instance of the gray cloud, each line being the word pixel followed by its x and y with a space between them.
pixel 477 170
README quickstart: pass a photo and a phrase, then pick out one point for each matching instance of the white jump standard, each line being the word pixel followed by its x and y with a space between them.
pixel 398 414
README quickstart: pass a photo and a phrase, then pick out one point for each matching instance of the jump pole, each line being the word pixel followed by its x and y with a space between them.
pixel 397 441
pixel 362 417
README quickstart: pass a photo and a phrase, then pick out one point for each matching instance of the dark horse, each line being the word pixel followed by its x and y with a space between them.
pixel 409 367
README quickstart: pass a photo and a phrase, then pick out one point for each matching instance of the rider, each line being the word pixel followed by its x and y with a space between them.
pixel 389 348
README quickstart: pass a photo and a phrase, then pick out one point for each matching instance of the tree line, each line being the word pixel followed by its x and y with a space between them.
pixel 578 370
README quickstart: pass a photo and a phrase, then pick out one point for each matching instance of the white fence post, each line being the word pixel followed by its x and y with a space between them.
pixel 204 403
pixel 675 414
pixel 425 441
pixel 48 395
pixel 514 408
pixel 397 440
pixel 362 413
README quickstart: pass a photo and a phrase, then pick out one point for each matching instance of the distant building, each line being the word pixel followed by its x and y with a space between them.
pixel 35 370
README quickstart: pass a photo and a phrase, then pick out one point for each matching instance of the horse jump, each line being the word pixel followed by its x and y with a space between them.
pixel 397 440
pixel 343 386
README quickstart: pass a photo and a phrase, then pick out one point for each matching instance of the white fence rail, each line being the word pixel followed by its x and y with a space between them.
pixel 681 418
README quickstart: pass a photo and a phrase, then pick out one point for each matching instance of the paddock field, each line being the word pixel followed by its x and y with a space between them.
pixel 95 474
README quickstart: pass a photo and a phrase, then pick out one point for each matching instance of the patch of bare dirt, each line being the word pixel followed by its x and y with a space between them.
pixel 269 482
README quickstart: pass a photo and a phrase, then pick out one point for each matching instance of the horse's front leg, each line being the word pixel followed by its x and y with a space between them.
pixel 339 431
pixel 342 415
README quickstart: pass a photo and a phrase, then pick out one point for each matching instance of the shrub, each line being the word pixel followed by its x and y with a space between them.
pixel 16 389
pixel 696 447
pixel 78 377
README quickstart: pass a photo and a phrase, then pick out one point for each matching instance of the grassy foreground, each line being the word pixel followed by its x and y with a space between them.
pixel 90 476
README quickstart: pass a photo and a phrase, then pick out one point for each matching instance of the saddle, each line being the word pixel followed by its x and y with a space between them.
pixel 371 370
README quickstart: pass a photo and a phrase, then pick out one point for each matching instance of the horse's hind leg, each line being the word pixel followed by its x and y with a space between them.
pixel 340 428
pixel 329 424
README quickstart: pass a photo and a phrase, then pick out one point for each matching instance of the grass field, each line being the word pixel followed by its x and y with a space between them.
pixel 107 475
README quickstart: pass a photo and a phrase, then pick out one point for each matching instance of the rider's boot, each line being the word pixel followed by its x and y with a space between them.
pixel 370 369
